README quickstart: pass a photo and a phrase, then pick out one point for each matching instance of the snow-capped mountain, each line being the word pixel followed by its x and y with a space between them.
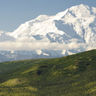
pixel 68 32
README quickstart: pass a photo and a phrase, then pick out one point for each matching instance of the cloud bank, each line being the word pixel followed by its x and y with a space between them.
pixel 9 45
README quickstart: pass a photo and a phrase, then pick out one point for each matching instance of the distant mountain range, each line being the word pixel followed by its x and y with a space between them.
pixel 68 32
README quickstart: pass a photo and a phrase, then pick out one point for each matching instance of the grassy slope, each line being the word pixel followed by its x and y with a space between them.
pixel 67 76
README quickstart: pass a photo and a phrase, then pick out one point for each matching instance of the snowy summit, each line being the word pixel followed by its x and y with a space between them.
pixel 67 32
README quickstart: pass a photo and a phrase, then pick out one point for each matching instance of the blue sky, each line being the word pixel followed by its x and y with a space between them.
pixel 15 12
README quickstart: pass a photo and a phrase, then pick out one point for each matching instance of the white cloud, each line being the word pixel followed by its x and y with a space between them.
pixel 37 45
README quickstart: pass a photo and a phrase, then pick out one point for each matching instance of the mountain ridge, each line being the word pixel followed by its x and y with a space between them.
pixel 71 31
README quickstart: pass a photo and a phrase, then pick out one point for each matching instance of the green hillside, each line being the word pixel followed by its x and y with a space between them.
pixel 73 75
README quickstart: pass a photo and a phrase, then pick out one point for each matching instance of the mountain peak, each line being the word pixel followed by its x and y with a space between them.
pixel 81 6
pixel 73 30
